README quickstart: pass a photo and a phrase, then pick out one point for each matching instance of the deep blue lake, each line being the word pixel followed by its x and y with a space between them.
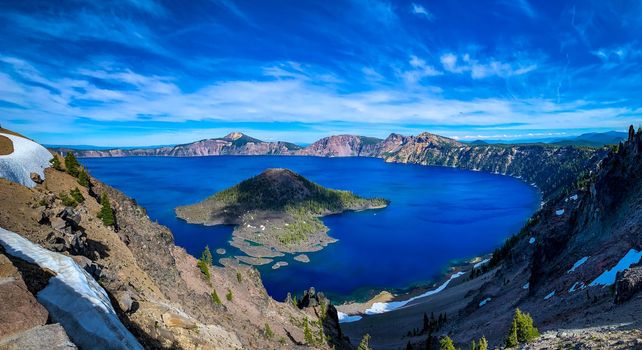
pixel 436 215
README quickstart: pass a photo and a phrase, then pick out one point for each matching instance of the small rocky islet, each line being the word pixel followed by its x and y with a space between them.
pixel 276 212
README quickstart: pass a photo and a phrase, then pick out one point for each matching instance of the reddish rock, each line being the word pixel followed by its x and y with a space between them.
pixel 19 309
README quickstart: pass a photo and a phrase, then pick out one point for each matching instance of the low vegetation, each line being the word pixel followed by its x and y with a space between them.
pixel 267 331
pixel 215 299
pixel 364 345
pixel 229 295
pixel 445 343
pixel 205 262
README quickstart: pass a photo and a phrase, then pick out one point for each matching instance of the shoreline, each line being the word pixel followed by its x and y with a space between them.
pixel 386 301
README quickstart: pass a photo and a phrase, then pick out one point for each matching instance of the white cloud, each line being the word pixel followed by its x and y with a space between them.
pixel 420 10
pixel 419 70
pixel 480 70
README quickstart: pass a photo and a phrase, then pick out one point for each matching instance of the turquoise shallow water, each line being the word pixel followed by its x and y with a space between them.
pixel 436 215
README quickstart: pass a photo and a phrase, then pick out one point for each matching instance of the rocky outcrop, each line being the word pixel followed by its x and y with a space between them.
pixel 343 146
pixel 19 309
pixel 627 284
pixel 232 144
pixel 51 337
pixel 548 167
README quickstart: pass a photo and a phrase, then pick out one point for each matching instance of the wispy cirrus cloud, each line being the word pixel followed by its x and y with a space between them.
pixel 421 11
pixel 459 64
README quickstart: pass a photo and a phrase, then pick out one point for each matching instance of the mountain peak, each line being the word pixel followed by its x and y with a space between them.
pixel 233 136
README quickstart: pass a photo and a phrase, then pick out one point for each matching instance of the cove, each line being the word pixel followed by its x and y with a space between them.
pixel 436 215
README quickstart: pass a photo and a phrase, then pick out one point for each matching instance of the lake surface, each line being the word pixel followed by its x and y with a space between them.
pixel 436 215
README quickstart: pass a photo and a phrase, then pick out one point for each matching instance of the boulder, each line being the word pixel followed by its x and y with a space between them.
pixel 51 337
pixel 19 309
pixel 125 301
pixel 628 283
pixel 59 224
pixel 36 178
pixel 174 320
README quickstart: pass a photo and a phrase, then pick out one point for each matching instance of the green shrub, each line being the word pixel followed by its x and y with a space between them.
pixel 307 333
pixel 77 196
pixel 72 165
pixel 106 213
pixel 215 299
pixel 228 296
pixel 55 163
pixel 238 277
pixel 445 343
pixel 268 331
pixel 483 344
pixel 67 200
pixel 83 178
pixel 364 343
pixel 205 262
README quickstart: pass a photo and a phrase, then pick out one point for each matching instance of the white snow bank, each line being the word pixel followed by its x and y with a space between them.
pixel 607 278
pixel 526 286
pixel 532 240
pixel 379 308
pixel 549 295
pixel 573 197
pixel 479 264
pixel 27 157
pixel 559 212
pixel 578 264
pixel 483 302
pixel 73 298
pixel 345 318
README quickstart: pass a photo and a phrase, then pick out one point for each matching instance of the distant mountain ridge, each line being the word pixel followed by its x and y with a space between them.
pixel 547 166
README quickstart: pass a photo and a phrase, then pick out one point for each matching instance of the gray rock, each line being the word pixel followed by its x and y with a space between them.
pixel 50 336
pixel 59 224
pixel 125 300
pixel 627 284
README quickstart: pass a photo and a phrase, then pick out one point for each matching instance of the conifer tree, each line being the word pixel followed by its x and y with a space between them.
pixel 483 344
pixel 511 338
pixel 106 213
pixel 71 164
pixel 526 332
pixel 445 343
pixel 83 178
pixel 307 333
pixel 364 343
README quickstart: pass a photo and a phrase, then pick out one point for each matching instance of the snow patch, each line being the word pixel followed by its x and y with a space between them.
pixel 73 298
pixel 479 264
pixel 573 197
pixel 550 295
pixel 577 286
pixel 483 302
pixel 578 264
pixel 27 157
pixel 526 286
pixel 559 212
pixel 607 278
pixel 379 308
pixel 532 240
pixel 345 318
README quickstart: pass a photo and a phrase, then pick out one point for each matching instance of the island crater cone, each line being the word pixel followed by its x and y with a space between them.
pixel 279 210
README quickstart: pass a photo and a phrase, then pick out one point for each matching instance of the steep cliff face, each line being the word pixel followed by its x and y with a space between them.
pixel 574 267
pixel 548 167
pixel 343 146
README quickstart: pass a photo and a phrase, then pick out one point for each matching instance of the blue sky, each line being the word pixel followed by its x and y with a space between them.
pixel 145 72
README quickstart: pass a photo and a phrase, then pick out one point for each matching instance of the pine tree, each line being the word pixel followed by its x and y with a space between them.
pixel 526 332
pixel 445 343
pixel 205 262
pixel 83 178
pixel 106 213
pixel 215 299
pixel 71 164
pixel 473 345
pixel 483 344
pixel 511 338
pixel 77 195
pixel 268 331
pixel 364 343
